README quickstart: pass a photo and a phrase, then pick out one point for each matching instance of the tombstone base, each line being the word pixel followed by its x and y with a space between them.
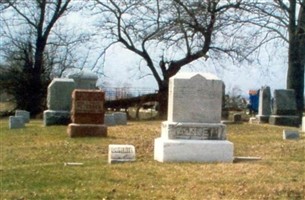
pixel 193 150
pixel 56 117
pixel 193 131
pixel 87 130
pixel 284 120
pixel 263 118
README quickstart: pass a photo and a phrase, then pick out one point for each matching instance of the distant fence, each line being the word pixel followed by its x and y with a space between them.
pixel 116 93
pixel 123 98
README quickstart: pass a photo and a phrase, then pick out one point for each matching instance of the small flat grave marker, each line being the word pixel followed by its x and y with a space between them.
pixel 121 153
pixel 290 135
pixel 23 113
pixel 16 122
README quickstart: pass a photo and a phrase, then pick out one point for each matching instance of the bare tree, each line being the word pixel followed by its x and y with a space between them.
pixel 284 20
pixel 34 25
pixel 168 35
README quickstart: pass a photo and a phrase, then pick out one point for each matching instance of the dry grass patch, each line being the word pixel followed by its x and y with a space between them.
pixel 32 166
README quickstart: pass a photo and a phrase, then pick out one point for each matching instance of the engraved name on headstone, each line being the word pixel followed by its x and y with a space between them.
pixel 121 153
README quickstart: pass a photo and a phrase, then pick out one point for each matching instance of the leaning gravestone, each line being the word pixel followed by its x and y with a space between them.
pixel 284 110
pixel 58 102
pixel 87 114
pixel 193 132
pixel 264 106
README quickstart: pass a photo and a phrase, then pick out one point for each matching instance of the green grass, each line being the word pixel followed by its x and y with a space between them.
pixel 32 166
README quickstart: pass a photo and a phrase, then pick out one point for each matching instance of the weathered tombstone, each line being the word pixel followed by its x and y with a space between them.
pixel 23 113
pixel 87 114
pixel 109 120
pixel 16 122
pixel 264 106
pixel 284 110
pixel 58 102
pixel 193 131
pixel 84 79
pixel 121 153
pixel 237 118
pixel 290 135
pixel 120 118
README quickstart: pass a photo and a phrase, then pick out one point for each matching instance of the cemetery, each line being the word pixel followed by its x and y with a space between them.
pixel 174 100
pixel 194 154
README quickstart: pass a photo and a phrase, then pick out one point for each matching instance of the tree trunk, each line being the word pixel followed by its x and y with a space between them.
pixel 163 100
pixel 295 74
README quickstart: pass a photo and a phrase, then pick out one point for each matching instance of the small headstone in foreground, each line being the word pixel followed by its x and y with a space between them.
pixel 290 135
pixel 16 122
pixel 23 113
pixel 121 153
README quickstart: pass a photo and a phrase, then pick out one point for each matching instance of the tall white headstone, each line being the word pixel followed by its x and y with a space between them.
pixel 193 131
pixel 264 106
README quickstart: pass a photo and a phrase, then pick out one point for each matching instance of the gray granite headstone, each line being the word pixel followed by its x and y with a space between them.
pixel 109 120
pixel 120 118
pixel 59 102
pixel 290 135
pixel 284 102
pixel 284 108
pixel 59 94
pixel 16 122
pixel 23 113
pixel 264 106
pixel 84 79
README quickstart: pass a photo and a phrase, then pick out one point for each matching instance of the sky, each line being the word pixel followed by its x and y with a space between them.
pixel 121 69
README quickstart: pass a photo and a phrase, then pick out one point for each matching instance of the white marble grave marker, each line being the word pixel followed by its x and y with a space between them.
pixel 121 153
pixel 193 131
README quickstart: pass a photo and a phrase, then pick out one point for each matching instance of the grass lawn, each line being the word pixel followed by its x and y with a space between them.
pixel 32 166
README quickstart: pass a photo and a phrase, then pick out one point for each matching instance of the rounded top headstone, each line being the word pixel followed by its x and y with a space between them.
pixel 83 74
pixel 84 79
pixel 189 75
